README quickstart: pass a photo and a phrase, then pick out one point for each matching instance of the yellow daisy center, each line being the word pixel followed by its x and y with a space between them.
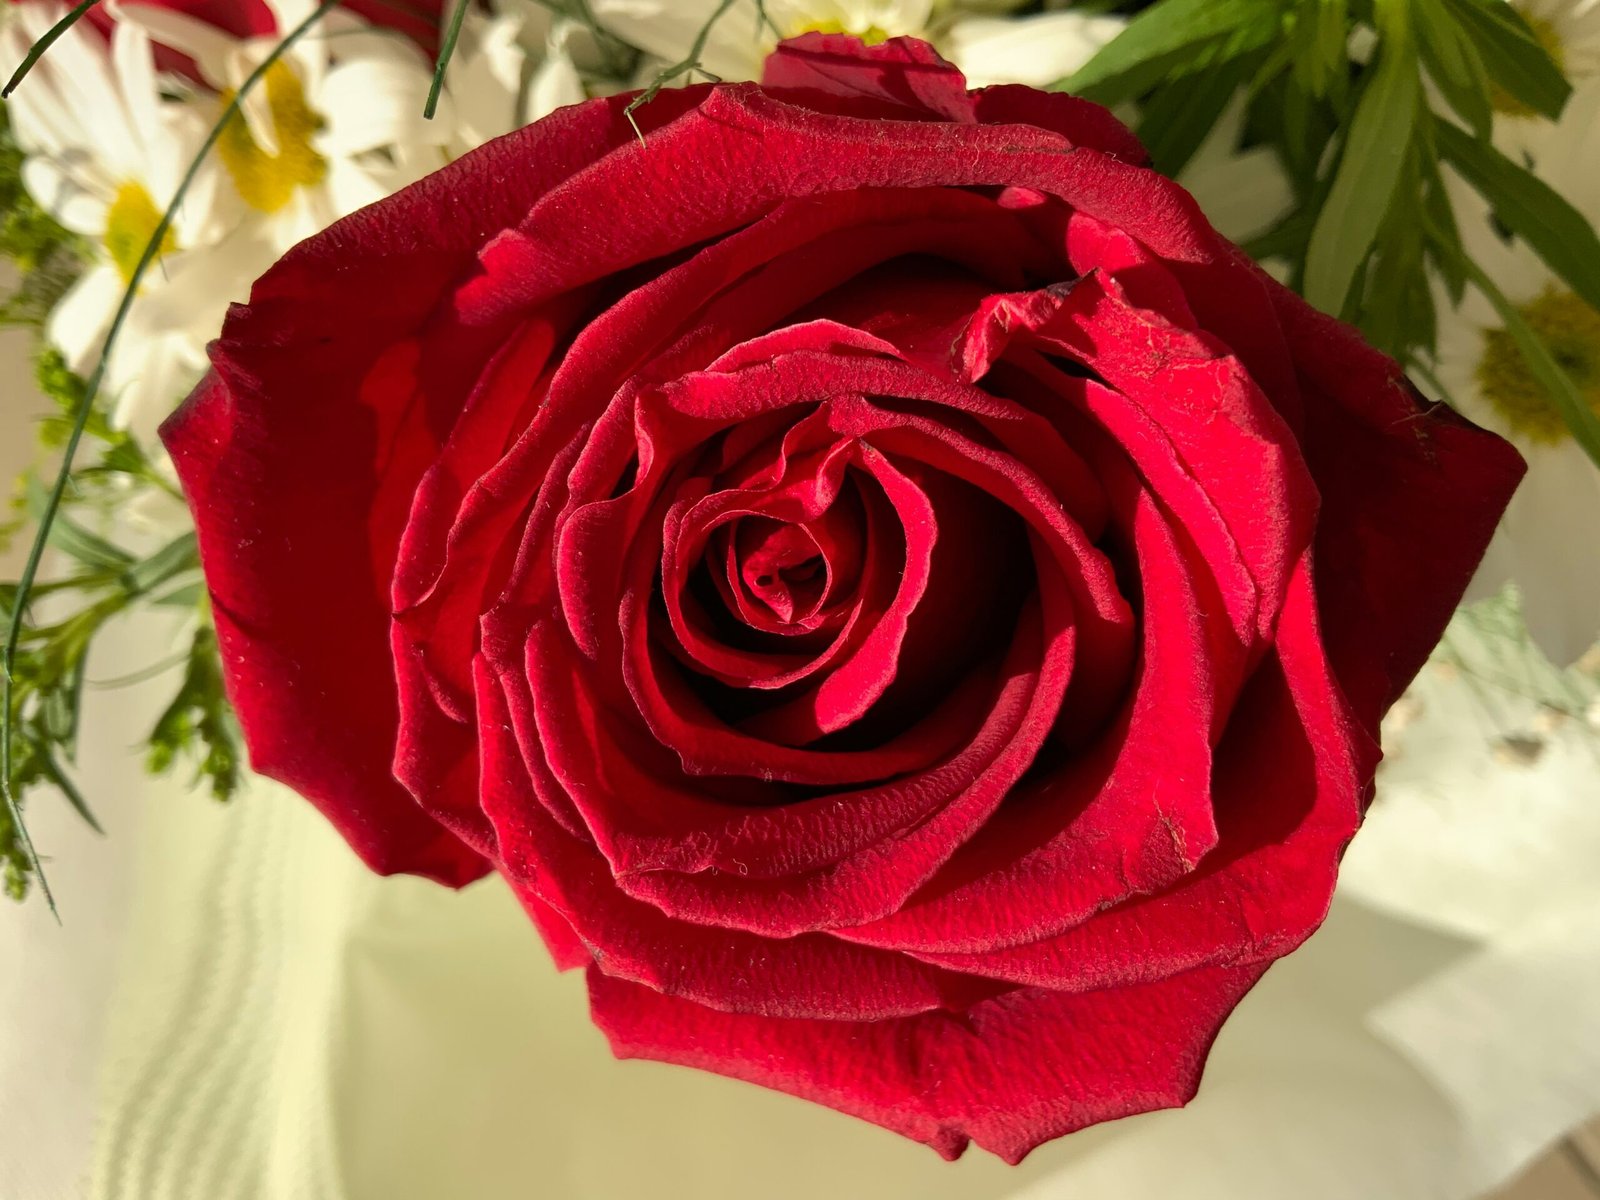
pixel 872 35
pixel 1546 34
pixel 1571 329
pixel 131 222
pixel 268 181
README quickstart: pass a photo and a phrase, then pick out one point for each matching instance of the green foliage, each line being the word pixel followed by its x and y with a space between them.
pixel 25 636
pixel 1171 40
pixel 1336 89
pixel 98 583
pixel 686 66
pixel 1375 159
pixel 47 257
pixel 198 725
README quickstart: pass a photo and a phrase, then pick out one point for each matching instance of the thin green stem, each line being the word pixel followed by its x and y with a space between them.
pixel 80 421
pixel 446 49
pixel 36 51
pixel 690 62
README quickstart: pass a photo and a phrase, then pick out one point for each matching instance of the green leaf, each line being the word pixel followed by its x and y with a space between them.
pixel 1172 35
pixel 1175 121
pixel 1454 64
pixel 1369 171
pixel 1298 125
pixel 83 413
pixel 1321 45
pixel 177 556
pixel 1562 390
pixel 1530 208
pixel 72 539
pixel 1286 239
pixel 188 595
pixel 63 782
pixel 1443 231
pixel 198 725
pixel 1521 65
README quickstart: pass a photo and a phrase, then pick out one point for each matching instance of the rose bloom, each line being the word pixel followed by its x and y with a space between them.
pixel 903 602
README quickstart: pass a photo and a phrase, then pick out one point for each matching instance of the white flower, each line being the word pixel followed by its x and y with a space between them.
pixel 1570 31
pixel 740 40
pixel 1543 542
pixel 510 69
pixel 105 154
pixel 335 123
pixel 1036 50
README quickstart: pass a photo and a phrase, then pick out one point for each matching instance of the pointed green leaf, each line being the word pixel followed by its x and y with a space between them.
pixel 1562 390
pixel 1454 64
pixel 1530 208
pixel 1369 169
pixel 71 538
pixel 1169 35
pixel 1521 65
pixel 1177 119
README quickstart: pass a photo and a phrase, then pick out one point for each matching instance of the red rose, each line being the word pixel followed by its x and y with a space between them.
pixel 899 598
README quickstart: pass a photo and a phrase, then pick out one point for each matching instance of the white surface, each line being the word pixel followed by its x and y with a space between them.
pixel 56 980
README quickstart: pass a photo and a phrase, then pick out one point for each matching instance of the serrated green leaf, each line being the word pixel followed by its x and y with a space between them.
pixel 1556 382
pixel 1521 65
pixel 1369 171
pixel 1530 208
pixel 1168 35
pixel 1454 64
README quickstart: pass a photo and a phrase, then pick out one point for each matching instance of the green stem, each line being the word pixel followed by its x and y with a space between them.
pixel 689 63
pixel 36 51
pixel 447 48
pixel 47 517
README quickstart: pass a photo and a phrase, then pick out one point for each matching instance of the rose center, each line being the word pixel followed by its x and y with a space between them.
pixel 782 566
pixel 131 222
pixel 1571 329
pixel 266 180
pixel 1545 33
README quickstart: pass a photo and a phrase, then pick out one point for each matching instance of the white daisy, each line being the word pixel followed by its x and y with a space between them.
pixel 335 123
pixel 1036 50
pixel 1541 543
pixel 740 39
pixel 1570 31
pixel 105 154
pixel 510 68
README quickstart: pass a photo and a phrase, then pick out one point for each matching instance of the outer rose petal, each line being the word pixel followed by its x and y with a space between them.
pixel 1411 492
pixel 1009 1073
pixel 902 73
pixel 299 455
